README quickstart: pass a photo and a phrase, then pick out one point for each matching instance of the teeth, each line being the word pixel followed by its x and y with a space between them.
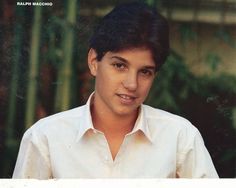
pixel 126 97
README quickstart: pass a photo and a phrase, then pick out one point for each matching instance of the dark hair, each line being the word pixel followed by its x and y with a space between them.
pixel 132 25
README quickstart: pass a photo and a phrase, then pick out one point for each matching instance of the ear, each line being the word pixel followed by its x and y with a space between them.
pixel 92 61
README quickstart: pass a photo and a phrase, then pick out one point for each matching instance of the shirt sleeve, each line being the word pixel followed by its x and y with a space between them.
pixel 194 160
pixel 33 157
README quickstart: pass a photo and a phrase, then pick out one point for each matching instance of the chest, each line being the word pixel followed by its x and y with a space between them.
pixel 135 158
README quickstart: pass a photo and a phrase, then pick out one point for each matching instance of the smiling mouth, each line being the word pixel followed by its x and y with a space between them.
pixel 127 99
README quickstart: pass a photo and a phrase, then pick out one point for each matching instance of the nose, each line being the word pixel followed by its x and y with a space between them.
pixel 131 82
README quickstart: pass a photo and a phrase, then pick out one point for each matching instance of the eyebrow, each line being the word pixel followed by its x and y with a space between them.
pixel 120 58
pixel 150 67
pixel 127 62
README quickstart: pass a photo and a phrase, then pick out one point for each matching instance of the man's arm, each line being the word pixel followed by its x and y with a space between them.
pixel 33 157
pixel 195 161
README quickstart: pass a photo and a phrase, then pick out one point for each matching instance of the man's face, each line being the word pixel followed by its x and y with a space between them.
pixel 123 79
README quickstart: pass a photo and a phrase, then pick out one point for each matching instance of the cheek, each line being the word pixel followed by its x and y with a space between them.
pixel 145 87
pixel 106 80
pixel 146 84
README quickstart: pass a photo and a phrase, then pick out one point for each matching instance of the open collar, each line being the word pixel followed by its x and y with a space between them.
pixel 141 124
pixel 86 122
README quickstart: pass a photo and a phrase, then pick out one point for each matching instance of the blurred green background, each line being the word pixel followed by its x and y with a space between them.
pixel 43 69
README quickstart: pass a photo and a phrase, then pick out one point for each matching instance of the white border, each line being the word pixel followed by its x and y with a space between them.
pixel 119 183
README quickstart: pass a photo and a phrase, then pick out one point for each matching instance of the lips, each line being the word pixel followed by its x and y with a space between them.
pixel 126 99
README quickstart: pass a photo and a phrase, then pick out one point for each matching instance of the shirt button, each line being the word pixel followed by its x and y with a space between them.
pixel 106 158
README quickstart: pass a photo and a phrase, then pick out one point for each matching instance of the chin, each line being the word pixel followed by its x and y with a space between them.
pixel 126 112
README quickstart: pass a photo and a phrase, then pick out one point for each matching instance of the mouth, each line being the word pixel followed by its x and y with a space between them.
pixel 126 99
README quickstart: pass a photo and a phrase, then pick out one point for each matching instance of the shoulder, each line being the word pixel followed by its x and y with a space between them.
pixel 158 115
pixel 56 123
pixel 171 128
pixel 168 123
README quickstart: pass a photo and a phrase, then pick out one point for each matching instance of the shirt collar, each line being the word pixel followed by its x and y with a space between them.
pixel 86 122
pixel 141 124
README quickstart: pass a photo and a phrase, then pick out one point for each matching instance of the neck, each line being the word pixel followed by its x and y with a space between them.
pixel 110 123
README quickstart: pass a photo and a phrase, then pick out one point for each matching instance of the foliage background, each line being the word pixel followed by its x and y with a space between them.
pixel 43 71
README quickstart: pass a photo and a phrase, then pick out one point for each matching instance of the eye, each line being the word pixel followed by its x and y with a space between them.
pixel 119 66
pixel 146 72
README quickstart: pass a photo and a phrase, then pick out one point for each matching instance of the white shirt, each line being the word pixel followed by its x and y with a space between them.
pixel 66 145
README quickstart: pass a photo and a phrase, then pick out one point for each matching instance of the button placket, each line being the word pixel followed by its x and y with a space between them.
pixel 105 151
pixel 122 150
pixel 106 158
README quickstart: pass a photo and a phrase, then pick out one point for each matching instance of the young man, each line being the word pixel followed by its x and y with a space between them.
pixel 114 135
